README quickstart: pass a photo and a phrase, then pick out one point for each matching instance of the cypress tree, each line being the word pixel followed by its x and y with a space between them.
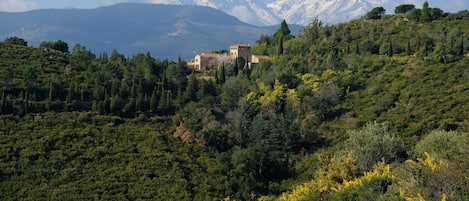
pixel 357 48
pixel 236 68
pixel 223 73
pixel 139 103
pixel 180 98
pixel 154 100
pixel 106 104
pixel 114 103
pixel 50 91
pixel 280 46
pixel 461 46
pixel 390 49
pixel 132 90
pixel 26 100
pixel 408 49
pixel 191 89
pixel 217 79
pixel 82 94
pixel 100 107
pixel 426 15
pixel 69 97
pixel 2 103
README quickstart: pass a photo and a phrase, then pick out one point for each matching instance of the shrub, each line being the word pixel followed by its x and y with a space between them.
pixel 374 143
pixel 443 144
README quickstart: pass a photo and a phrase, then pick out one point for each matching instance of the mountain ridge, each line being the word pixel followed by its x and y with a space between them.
pixel 166 31
pixel 295 12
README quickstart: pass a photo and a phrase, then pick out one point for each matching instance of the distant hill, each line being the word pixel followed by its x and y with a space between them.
pixel 166 31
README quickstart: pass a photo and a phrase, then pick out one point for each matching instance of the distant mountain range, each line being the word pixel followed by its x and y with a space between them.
pixel 166 31
pixel 270 12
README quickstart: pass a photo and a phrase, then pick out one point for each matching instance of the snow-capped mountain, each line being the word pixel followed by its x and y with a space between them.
pixel 270 12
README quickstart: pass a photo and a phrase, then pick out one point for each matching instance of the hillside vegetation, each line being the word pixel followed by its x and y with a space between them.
pixel 372 109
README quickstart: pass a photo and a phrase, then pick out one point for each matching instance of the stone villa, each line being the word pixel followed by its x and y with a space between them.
pixel 210 61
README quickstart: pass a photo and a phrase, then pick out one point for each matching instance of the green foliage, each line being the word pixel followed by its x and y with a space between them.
pixel 404 8
pixel 14 40
pixel 375 13
pixel 374 143
pixel 369 190
pixel 426 14
pixel 59 45
pixel 443 144
pixel 84 126
pixel 106 157
pixel 81 57
pixel 283 32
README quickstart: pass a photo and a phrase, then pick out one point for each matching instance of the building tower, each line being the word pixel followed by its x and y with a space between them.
pixel 241 50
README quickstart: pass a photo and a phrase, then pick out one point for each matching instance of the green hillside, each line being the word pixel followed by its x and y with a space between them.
pixel 372 109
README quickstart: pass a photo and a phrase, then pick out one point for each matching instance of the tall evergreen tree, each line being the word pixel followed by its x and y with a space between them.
pixel 236 67
pixel 217 79
pixel 154 100
pixel 357 48
pixel 461 46
pixel 426 13
pixel 408 49
pixel 223 73
pixel 191 89
pixel 280 46
pixel 391 51
pixel 283 31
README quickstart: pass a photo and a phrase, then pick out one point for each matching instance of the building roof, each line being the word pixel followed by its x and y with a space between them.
pixel 262 57
pixel 240 45
pixel 206 54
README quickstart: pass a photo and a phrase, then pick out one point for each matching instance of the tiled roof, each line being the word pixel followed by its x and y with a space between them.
pixel 240 45
pixel 206 54
pixel 262 57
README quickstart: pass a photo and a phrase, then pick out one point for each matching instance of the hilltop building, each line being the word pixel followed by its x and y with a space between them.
pixel 210 61
pixel 206 60
pixel 241 50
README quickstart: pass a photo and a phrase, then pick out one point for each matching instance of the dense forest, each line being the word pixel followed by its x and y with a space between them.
pixel 372 109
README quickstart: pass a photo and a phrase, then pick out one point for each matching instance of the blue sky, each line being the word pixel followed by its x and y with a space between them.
pixel 23 5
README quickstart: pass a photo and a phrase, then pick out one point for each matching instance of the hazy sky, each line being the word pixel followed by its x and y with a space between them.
pixel 23 5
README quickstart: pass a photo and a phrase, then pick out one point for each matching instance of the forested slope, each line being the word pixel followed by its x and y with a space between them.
pixel 372 109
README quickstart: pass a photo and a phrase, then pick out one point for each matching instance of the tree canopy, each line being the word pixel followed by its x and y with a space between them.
pixel 283 32
pixel 376 13
pixel 14 40
pixel 404 8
